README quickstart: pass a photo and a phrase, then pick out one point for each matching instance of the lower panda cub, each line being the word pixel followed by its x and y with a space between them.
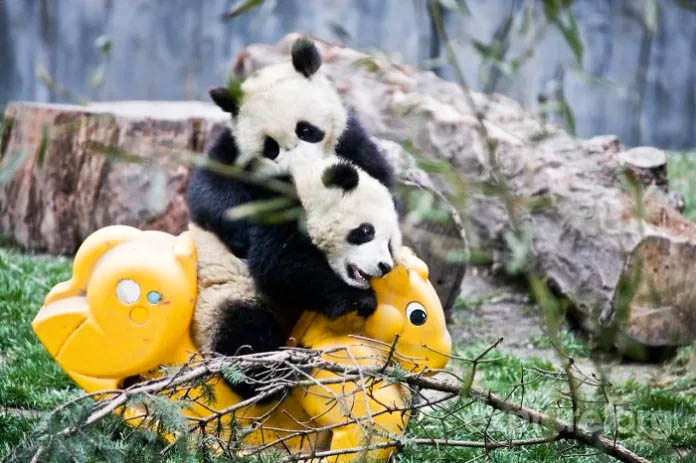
pixel 350 218
pixel 349 215
pixel 274 113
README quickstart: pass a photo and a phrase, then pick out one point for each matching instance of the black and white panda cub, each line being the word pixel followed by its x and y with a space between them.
pixel 349 215
pixel 339 198
pixel 276 114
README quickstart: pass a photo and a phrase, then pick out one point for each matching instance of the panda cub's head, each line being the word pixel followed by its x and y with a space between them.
pixel 350 216
pixel 280 106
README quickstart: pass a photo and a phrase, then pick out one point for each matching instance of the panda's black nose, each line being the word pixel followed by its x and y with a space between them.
pixel 384 268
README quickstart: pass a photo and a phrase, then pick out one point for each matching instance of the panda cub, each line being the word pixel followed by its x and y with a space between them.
pixel 349 215
pixel 349 218
pixel 273 112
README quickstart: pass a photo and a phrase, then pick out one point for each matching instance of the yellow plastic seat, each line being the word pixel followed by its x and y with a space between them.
pixel 127 310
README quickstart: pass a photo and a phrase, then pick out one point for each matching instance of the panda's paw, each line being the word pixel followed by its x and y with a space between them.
pixel 364 303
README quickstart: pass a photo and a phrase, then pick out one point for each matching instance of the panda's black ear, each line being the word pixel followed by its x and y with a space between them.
pixel 225 100
pixel 305 57
pixel 341 175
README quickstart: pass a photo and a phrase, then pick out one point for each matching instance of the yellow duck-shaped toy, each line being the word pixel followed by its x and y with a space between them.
pixel 125 311
pixel 128 309
pixel 408 326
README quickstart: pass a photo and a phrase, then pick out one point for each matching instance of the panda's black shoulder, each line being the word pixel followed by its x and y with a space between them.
pixel 355 145
pixel 210 194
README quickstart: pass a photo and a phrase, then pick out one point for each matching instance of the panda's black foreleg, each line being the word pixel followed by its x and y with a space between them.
pixel 295 275
pixel 248 327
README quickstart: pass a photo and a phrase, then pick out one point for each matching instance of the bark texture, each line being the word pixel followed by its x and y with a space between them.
pixel 63 189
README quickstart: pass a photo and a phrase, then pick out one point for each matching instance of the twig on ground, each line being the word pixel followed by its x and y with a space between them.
pixel 305 360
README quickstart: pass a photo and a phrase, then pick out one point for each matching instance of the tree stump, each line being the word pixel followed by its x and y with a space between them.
pixel 63 188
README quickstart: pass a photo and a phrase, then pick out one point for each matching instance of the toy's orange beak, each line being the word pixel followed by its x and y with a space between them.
pixel 57 320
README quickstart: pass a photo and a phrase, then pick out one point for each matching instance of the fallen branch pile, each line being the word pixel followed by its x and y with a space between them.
pixel 436 394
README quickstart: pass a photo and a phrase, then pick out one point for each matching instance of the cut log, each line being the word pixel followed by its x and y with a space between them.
pixel 63 189
pixel 589 242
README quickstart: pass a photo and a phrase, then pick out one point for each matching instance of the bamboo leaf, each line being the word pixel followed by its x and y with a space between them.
pixel 240 8
pixel 555 11
pixel 651 13
pixel 255 209
pixel 571 34
pixel 104 44
pixel 568 116
pixel 8 170
pixel 340 32
pixel 459 6
pixel 43 146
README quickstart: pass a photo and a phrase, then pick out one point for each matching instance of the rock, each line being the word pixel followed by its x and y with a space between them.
pixel 621 255
pixel 650 164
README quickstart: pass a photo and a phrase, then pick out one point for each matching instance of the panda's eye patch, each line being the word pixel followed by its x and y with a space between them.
pixel 270 148
pixel 308 132
pixel 364 233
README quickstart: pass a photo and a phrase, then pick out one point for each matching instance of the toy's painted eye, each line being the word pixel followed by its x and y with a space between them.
pixel 308 132
pixel 416 313
pixel 270 148
pixel 153 297
pixel 127 291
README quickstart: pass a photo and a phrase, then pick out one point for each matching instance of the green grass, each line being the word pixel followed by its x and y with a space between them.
pixel 571 343
pixel 31 381
pixel 652 421
pixel 32 384
pixel 681 173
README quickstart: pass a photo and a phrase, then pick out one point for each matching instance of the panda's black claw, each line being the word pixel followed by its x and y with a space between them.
pixel 364 303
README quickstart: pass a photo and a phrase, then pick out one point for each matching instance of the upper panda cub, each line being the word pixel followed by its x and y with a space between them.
pixel 275 113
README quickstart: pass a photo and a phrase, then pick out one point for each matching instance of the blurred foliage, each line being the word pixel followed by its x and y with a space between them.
pixel 241 7
pixel 650 419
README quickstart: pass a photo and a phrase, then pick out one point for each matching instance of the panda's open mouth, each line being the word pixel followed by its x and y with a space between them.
pixel 356 274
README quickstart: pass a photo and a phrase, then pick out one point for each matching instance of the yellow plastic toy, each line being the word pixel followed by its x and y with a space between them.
pixel 128 308
pixel 125 311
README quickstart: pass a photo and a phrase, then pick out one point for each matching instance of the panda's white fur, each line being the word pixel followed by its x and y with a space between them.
pixel 333 212
pixel 271 107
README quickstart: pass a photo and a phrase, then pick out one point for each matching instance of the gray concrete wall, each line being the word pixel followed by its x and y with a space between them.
pixel 634 82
